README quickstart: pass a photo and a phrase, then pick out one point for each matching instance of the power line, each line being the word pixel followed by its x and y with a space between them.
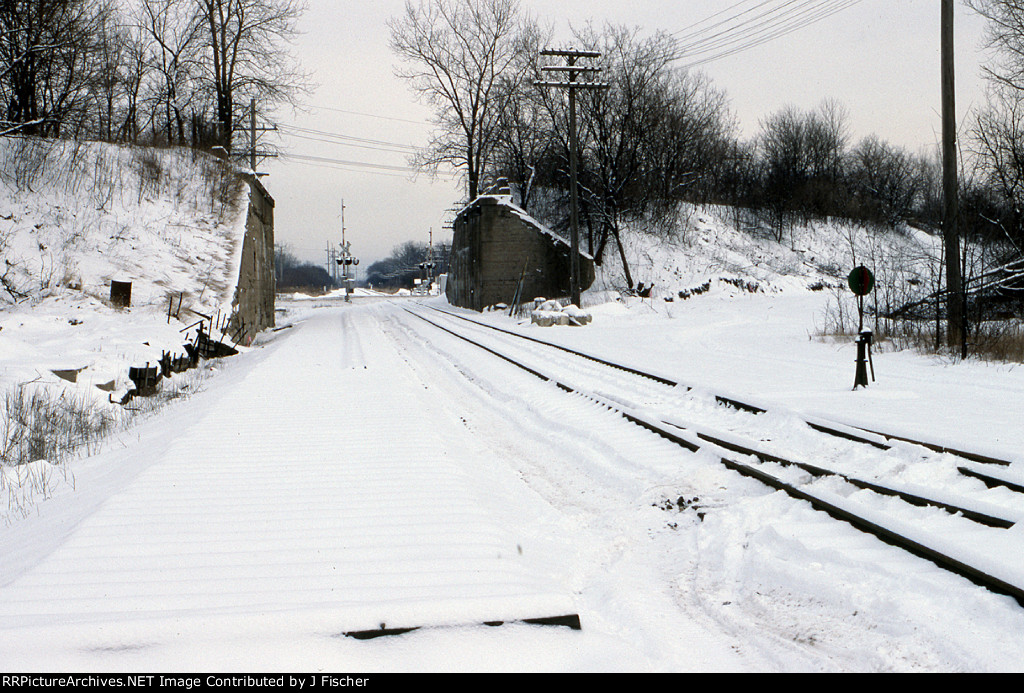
pixel 336 138
pixel 370 115
pixel 697 43
pixel 345 162
pixel 742 33
pixel 327 140
pixel 338 167
pixel 776 31
pixel 350 138
pixel 686 37
pixel 775 20
pixel 360 165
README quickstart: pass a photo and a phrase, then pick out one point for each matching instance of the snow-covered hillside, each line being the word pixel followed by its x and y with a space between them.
pixel 75 216
pixel 711 249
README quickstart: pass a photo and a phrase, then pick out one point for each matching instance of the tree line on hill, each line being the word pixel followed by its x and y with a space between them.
pixel 660 135
pixel 162 72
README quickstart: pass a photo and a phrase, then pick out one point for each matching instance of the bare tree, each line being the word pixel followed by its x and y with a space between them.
pixel 1005 36
pixel 46 49
pixel 802 157
pixel 644 135
pixel 243 54
pixel 618 122
pixel 173 31
pixel 464 58
pixel 134 71
pixel 110 66
pixel 882 178
pixel 692 146
pixel 998 137
pixel 998 133
pixel 524 143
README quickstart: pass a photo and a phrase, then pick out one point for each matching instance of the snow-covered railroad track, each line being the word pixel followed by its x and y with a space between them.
pixel 980 466
pixel 900 525
pixel 868 436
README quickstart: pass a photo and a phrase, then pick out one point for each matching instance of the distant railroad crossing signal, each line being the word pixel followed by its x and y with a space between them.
pixel 345 261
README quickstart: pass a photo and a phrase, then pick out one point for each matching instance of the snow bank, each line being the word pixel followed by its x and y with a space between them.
pixel 704 251
pixel 75 216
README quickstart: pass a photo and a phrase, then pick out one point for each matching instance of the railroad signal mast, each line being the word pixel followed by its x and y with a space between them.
pixel 572 71
pixel 429 266
pixel 345 259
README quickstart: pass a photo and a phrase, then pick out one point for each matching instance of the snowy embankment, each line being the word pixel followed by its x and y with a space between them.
pixel 710 246
pixel 76 216
pixel 738 312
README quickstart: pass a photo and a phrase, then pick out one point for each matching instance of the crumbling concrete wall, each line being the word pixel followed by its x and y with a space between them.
pixel 254 296
pixel 498 250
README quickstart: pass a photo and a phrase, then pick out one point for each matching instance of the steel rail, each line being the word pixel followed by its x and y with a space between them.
pixel 888 535
pixel 828 427
pixel 764 457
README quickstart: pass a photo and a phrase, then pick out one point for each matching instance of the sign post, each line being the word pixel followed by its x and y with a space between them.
pixel 861 283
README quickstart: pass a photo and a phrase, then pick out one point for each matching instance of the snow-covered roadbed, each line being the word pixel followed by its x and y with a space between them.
pixel 321 491
pixel 365 468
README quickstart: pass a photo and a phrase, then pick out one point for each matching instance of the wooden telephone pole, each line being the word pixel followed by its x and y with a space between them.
pixel 956 310
pixel 572 71
pixel 253 154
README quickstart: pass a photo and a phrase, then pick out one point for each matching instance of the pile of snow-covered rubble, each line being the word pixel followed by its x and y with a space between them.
pixel 547 313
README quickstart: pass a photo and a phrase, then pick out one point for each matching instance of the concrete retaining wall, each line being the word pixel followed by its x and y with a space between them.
pixel 254 296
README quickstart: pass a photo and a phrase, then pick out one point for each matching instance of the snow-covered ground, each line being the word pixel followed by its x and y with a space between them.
pixel 359 467
pixel 76 216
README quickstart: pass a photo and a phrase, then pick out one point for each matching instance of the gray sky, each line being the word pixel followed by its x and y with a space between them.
pixel 879 58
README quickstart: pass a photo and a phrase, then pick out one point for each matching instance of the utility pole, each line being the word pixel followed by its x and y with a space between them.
pixel 572 71
pixel 252 153
pixel 430 258
pixel 956 310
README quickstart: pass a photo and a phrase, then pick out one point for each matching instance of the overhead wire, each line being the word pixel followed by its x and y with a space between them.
pixel 765 21
pixel 775 32
pixel 327 137
pixel 300 160
pixel 364 166
pixel 396 148
pixel 346 162
pixel 740 32
pixel 370 115
pixel 686 36
pixel 343 138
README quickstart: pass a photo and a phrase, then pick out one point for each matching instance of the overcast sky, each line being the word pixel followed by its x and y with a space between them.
pixel 879 58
